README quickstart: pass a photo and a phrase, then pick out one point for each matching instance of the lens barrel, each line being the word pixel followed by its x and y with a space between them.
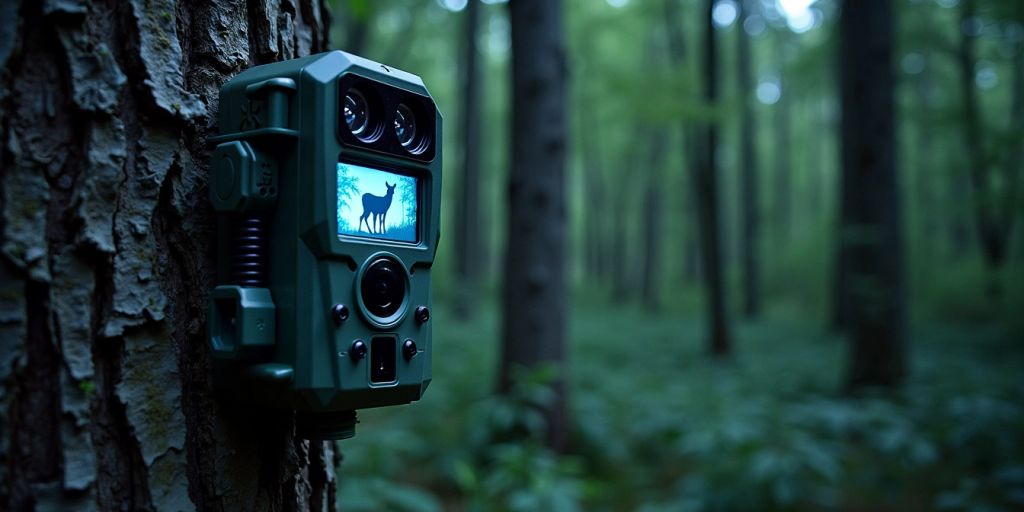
pixel 383 287
pixel 357 113
pixel 405 127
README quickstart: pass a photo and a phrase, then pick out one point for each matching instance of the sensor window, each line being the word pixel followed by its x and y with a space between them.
pixel 377 204
pixel 383 354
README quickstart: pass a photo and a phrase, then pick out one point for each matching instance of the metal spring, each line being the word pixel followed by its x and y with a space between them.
pixel 249 267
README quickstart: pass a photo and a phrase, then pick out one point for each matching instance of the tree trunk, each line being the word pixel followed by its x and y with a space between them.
pixel 106 264
pixel 706 198
pixel 688 141
pixel 748 174
pixel 534 329
pixel 871 236
pixel 621 239
pixel 783 145
pixel 652 221
pixel 593 182
pixel 618 240
pixel 926 165
pixel 467 225
pixel 820 164
pixel 993 182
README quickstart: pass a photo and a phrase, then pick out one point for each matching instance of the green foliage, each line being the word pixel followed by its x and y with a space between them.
pixel 659 427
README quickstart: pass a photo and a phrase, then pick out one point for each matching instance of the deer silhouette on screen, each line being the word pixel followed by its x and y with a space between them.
pixel 375 210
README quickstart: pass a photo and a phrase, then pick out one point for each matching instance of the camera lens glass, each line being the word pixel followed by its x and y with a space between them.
pixel 383 287
pixel 405 127
pixel 356 113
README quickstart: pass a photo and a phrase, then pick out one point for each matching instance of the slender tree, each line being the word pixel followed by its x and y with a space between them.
pixel 618 239
pixel 870 239
pixel 706 199
pixel 926 165
pixel 783 143
pixel 533 324
pixel 688 140
pixel 467 224
pixel 622 241
pixel 993 180
pixel 750 214
pixel 657 142
pixel 105 236
pixel 651 219
pixel 592 156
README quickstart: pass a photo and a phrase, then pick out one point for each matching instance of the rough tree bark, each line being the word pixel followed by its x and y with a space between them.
pixel 535 299
pixel 750 213
pixel 870 239
pixel 105 262
pixel 467 224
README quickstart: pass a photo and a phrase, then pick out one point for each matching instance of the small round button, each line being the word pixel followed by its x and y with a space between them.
pixel 422 314
pixel 358 350
pixel 409 349
pixel 340 313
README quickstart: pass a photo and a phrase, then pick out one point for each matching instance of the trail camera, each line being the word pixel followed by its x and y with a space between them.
pixel 326 177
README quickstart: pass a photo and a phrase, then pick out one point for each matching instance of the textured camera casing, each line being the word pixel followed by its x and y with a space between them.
pixel 285 116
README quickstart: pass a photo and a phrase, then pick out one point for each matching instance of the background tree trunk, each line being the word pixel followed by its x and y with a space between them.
pixel 676 40
pixel 750 214
pixel 105 235
pixel 871 227
pixel 624 195
pixel 651 220
pixel 993 180
pixel 535 298
pixel 467 224
pixel 783 147
pixel 597 257
pixel 926 165
pixel 706 198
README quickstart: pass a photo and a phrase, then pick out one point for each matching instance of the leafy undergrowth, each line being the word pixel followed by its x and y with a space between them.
pixel 657 426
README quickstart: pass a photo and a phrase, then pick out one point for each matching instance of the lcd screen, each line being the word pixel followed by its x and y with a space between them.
pixel 377 204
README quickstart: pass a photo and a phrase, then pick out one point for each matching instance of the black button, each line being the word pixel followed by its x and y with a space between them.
pixel 409 349
pixel 340 313
pixel 358 350
pixel 422 314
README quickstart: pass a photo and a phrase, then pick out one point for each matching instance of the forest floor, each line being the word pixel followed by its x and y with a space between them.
pixel 658 425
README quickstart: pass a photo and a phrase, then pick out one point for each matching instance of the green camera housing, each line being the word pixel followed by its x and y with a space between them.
pixel 312 313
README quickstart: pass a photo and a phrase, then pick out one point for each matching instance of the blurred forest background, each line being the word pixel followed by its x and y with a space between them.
pixel 791 250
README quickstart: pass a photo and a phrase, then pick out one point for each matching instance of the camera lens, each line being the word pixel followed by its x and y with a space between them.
pixel 383 287
pixel 356 113
pixel 405 127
